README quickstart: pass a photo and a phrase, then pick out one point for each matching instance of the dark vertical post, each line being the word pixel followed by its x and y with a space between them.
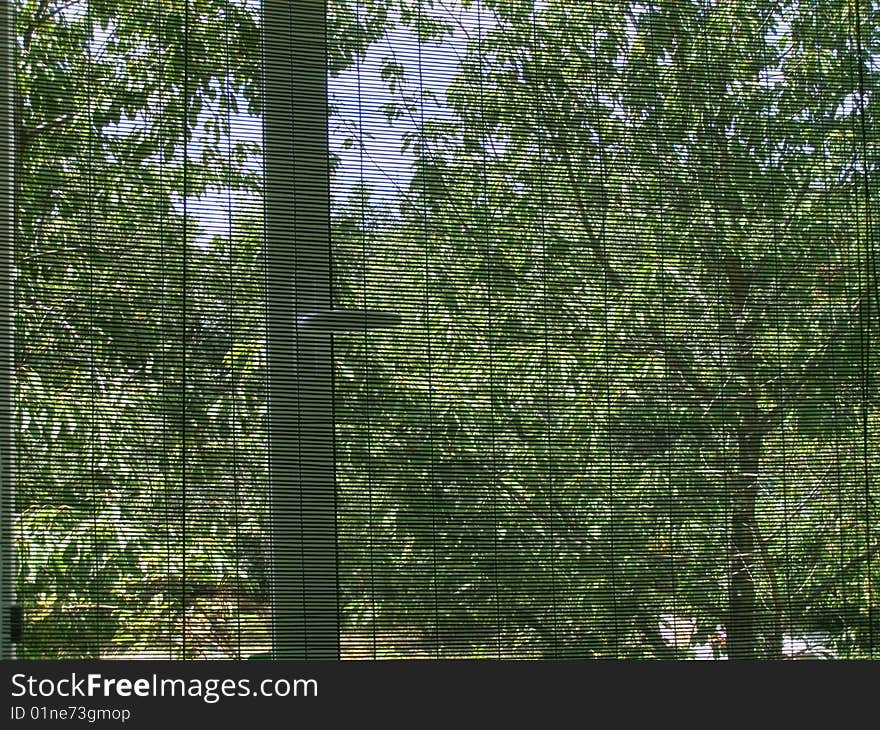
pixel 297 210
pixel 7 234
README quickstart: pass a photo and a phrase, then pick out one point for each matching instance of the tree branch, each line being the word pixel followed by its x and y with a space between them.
pixel 595 243
pixel 770 570
pixel 863 557
pixel 26 135
pixel 38 19
pixel 786 394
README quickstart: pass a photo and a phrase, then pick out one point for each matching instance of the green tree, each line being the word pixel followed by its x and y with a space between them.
pixel 118 311
pixel 636 264
pixel 644 366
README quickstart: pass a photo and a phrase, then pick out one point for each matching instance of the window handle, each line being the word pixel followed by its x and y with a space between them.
pixel 347 320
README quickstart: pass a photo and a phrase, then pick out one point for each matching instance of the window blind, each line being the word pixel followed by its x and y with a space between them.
pixel 140 388
pixel 484 329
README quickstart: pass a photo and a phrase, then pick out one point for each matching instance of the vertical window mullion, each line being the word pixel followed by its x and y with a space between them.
pixel 299 361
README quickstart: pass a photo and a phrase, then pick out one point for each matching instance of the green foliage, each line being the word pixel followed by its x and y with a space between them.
pixel 636 251
pixel 634 244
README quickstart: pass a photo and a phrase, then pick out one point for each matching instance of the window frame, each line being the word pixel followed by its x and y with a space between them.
pixel 304 580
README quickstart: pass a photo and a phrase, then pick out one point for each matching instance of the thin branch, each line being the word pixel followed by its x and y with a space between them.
pixel 800 506
pixel 39 18
pixel 26 135
pixel 790 393
pixel 863 557
pixel 594 242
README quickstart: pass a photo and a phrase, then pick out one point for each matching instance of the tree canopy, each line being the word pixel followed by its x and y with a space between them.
pixel 632 409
